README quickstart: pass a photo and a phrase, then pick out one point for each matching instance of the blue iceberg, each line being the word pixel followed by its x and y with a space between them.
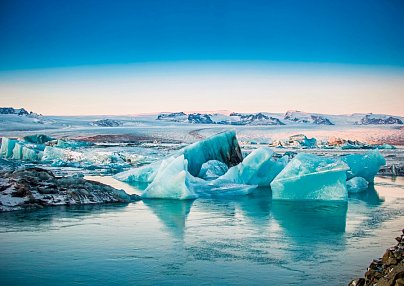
pixel 310 177
pixel 258 168
pixel 27 152
pixel 171 182
pixel 364 165
pixel 222 147
pixel 7 147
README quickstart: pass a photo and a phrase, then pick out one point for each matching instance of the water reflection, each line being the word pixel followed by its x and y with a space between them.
pixel 310 218
pixel 172 213
pixel 46 217
pixel 370 196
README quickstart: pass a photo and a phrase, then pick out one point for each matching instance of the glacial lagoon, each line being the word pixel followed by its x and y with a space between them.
pixel 248 240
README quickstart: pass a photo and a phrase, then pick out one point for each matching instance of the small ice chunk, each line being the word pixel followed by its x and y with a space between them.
pixel 357 185
pixel 364 165
pixel 212 170
pixel 311 177
pixel 258 168
pixel 170 182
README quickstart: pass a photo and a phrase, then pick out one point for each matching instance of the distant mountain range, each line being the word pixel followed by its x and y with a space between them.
pixel 290 117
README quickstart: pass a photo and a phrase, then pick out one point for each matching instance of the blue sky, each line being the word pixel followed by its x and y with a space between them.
pixel 39 37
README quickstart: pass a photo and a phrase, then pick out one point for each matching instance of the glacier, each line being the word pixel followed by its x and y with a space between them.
pixel 357 185
pixel 364 165
pixel 311 177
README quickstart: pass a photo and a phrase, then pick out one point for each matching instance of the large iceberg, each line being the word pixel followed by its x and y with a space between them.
pixel 258 168
pixel 310 177
pixel 222 147
pixel 364 165
pixel 171 181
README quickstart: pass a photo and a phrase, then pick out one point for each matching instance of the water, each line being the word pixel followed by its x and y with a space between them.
pixel 249 240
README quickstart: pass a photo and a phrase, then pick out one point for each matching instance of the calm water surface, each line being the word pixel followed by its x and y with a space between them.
pixel 248 240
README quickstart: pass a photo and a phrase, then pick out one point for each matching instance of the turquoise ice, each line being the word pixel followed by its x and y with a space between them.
pixel 212 169
pixel 311 177
pixel 364 165
pixel 258 168
pixel 171 181
pixel 357 185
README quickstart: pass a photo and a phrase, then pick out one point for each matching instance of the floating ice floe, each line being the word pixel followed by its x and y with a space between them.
pixel 357 185
pixel 364 165
pixel 310 177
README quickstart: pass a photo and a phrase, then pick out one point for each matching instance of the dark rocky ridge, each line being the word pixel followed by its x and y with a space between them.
pixel 35 187
pixel 387 270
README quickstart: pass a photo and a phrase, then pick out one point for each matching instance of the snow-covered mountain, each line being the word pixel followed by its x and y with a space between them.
pixel 16 111
pixel 303 117
pixel 216 118
pixel 379 119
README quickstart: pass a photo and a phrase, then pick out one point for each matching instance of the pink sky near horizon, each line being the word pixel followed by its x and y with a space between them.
pixel 120 90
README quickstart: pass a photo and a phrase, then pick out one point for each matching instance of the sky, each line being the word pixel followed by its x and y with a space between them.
pixel 130 57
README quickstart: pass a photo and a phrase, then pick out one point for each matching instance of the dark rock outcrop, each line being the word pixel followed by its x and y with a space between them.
pixel 385 271
pixel 35 187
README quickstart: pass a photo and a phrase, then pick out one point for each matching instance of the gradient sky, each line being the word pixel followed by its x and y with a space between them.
pixel 126 57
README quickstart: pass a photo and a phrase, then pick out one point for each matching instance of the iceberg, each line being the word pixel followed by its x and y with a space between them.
pixel 364 165
pixel 7 147
pixel 27 152
pixel 357 185
pixel 212 169
pixel 144 174
pixel 310 177
pixel 222 147
pixel 171 182
pixel 258 168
